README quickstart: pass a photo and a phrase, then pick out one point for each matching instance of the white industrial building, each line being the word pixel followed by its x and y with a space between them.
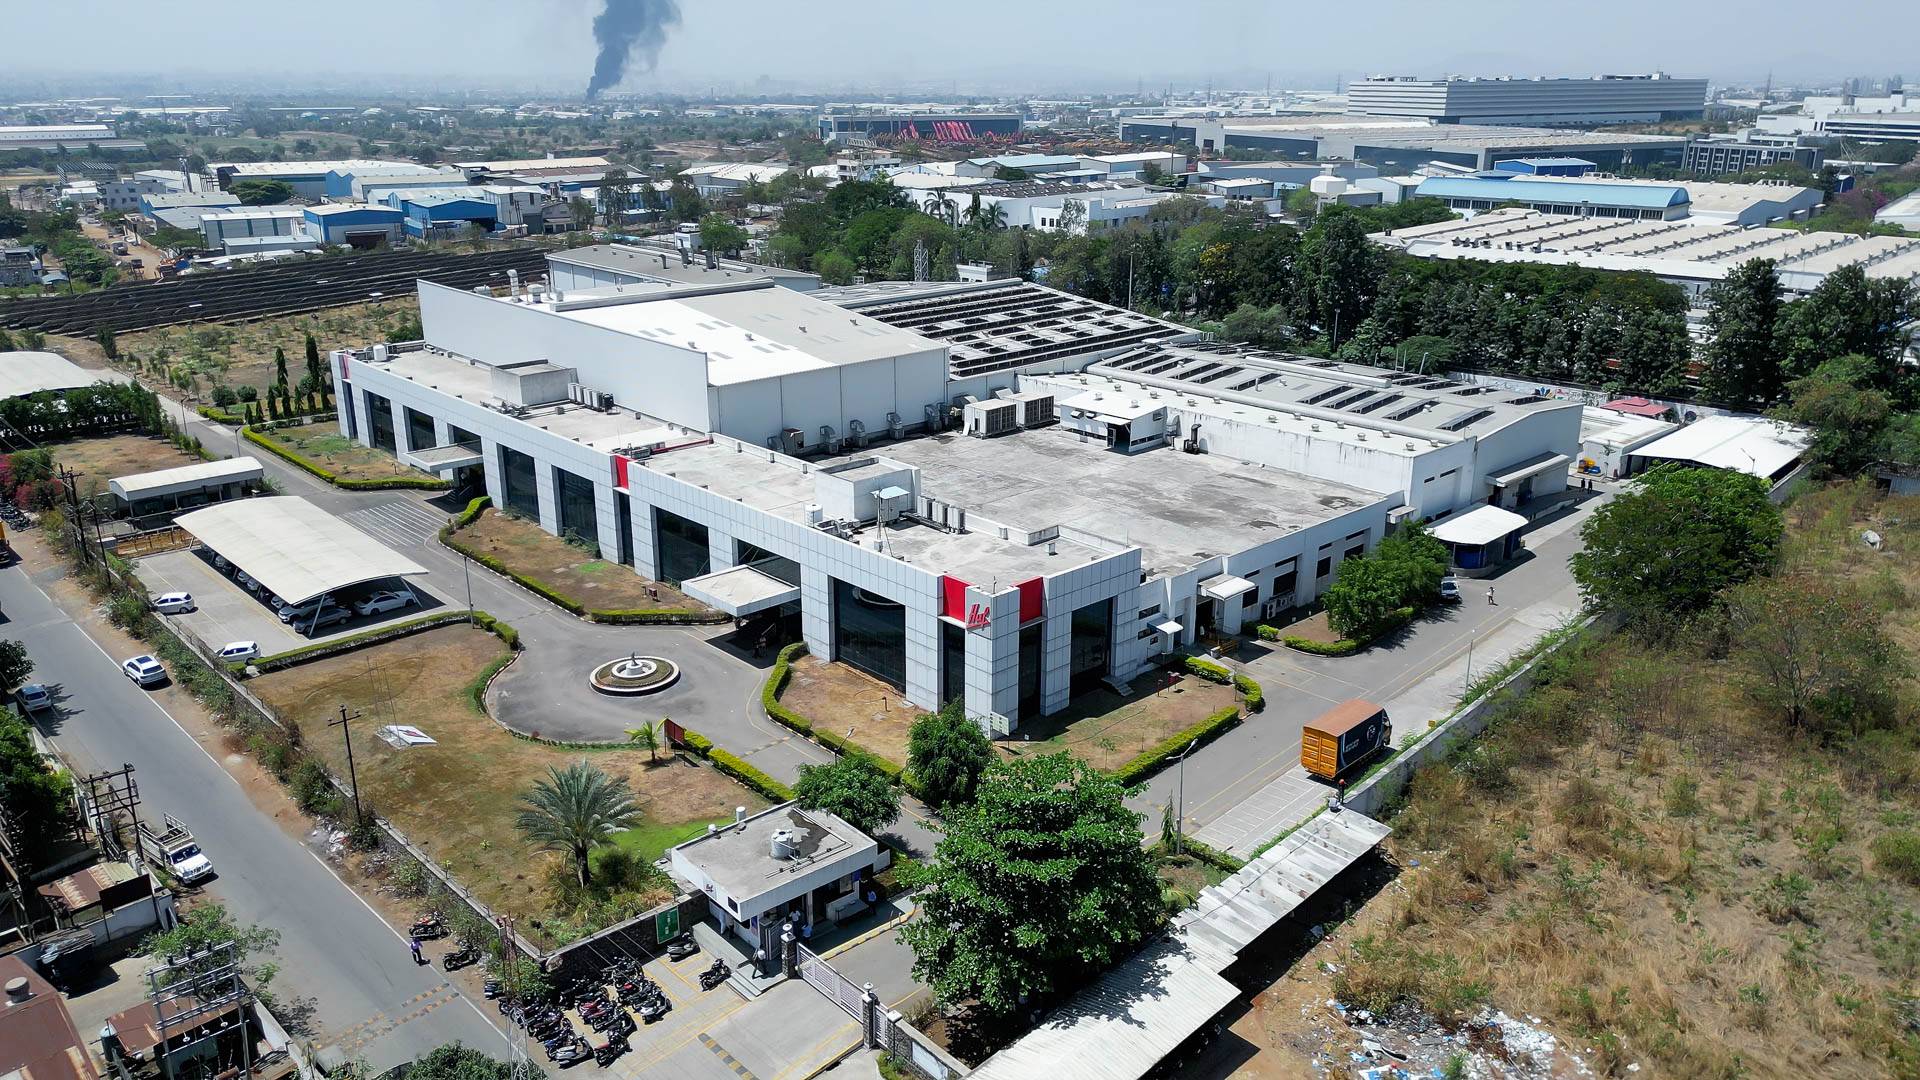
pixel 251 221
pixel 726 178
pixel 994 492
pixel 1603 99
pixel 1771 450
pixel 603 266
pixel 1690 253
pixel 1609 439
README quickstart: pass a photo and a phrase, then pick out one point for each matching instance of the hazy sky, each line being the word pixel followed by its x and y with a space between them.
pixel 978 45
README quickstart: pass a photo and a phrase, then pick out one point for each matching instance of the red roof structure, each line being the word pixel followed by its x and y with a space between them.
pixel 37 1036
pixel 1637 406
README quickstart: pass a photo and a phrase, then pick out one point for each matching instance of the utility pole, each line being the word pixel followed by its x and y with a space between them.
pixel 196 992
pixel 1180 815
pixel 101 808
pixel 345 724
pixel 520 1068
pixel 466 575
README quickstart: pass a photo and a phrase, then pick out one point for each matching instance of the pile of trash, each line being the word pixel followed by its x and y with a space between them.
pixel 1408 1043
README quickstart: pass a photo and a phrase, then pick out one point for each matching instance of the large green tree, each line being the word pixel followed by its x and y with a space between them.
pixel 946 753
pixel 261 192
pixel 1668 544
pixel 718 233
pixel 1036 888
pixel 574 809
pixel 1814 654
pixel 851 787
pixel 38 798
pixel 455 1061
pixel 1851 314
pixel 1848 416
pixel 1741 362
pixel 207 926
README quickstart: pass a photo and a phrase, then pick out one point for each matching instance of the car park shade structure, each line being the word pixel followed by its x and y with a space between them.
pixel 293 548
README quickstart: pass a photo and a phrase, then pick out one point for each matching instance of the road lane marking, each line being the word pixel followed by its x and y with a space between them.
pixel 726 1059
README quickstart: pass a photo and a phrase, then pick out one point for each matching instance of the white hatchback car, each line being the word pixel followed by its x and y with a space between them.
pixel 239 652
pixel 173 603
pixel 144 671
pixel 385 601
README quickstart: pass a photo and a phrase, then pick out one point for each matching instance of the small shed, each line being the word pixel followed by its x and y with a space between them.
pixel 1480 539
pixel 168 491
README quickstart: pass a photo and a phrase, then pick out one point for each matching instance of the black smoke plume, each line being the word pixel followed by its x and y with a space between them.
pixel 627 29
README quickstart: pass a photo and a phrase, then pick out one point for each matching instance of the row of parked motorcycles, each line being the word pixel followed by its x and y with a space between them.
pixel 431 926
pixel 606 1004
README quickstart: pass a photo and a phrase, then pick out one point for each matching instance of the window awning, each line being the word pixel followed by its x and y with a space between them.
pixel 1482 525
pixel 1226 587
pixel 1533 466
pixel 1168 627
pixel 891 493
pixel 740 591
pixel 442 458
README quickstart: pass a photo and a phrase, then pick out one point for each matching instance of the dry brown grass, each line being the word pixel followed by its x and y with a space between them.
pixel 321 443
pixel 456 799
pixel 1669 877
pixel 1106 730
pixel 836 697
pixel 569 569
pixel 101 459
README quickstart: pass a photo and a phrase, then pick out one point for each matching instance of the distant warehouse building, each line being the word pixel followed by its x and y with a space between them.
pixel 1603 99
pixel 251 221
pixel 1610 197
pixel 1721 157
pixel 1400 145
pixel 439 212
pixel 863 127
pixel 307 178
pixel 354 225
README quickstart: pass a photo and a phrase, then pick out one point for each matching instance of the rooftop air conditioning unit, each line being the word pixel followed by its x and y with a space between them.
pixel 856 434
pixel 988 419
pixel 935 416
pixel 790 441
pixel 896 428
pixel 830 438
pixel 1037 411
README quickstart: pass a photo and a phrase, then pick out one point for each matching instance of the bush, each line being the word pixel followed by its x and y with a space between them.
pixel 755 780
pixel 777 682
pixel 1897 853
pixel 1208 670
pixel 1343 647
pixel 696 742
pixel 1156 757
pixel 313 789
pixel 1251 695
pixel 1267 633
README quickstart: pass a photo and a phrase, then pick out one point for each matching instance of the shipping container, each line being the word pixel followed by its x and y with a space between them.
pixel 1343 737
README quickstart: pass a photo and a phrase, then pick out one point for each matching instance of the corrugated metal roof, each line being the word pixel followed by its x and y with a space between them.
pixel 294 548
pixel 186 477
pixel 1122 1025
pixel 1518 188
pixel 1751 445
pixel 1230 915
pixel 1481 525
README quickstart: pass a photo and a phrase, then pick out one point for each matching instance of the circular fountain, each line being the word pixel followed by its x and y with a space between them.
pixel 634 674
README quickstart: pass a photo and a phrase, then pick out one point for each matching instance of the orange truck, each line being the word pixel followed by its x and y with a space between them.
pixel 1343 737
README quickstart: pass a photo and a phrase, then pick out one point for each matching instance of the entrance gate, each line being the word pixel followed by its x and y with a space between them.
pixel 822 977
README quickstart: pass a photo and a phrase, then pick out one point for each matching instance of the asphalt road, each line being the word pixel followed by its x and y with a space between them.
pixel 368 995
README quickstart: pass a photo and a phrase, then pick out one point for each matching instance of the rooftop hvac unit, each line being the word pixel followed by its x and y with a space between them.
pixel 1037 411
pixel 856 433
pixel 830 438
pixel 896 428
pixel 935 416
pixel 988 419
pixel 789 441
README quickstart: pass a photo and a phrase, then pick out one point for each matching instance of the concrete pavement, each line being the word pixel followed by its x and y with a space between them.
pixel 367 994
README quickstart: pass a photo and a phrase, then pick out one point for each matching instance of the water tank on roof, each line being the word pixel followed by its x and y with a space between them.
pixel 1328 187
pixel 781 844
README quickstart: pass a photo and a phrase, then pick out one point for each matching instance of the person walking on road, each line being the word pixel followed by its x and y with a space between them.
pixel 414 944
pixel 1489 596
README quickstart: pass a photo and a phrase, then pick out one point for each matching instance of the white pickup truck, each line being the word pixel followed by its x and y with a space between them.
pixel 174 849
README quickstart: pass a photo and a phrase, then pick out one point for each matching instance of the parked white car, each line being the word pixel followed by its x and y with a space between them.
pixel 247 582
pixel 144 671
pixel 385 601
pixel 298 613
pixel 173 603
pixel 329 616
pixel 33 697
pixel 239 652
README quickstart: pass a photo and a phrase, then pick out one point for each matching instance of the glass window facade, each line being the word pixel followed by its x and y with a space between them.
pixel 623 514
pixel 870 633
pixel 953 663
pixel 518 484
pixel 1030 652
pixel 460 436
pixel 380 422
pixel 419 431
pixel 578 517
pixel 679 547
pixel 1092 648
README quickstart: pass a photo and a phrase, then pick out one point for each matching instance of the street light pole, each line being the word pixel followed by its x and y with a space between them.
pixel 466 574
pixel 346 730
pixel 1180 813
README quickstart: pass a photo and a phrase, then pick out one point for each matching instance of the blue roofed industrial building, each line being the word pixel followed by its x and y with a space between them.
pixel 355 225
pixel 1547 166
pixel 442 210
pixel 1551 195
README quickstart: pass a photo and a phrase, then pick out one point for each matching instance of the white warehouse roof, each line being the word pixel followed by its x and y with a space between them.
pixel 1482 525
pixel 23 373
pixel 1748 444
pixel 150 485
pixel 293 548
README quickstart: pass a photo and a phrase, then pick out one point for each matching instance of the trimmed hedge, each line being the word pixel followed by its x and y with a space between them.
pixel 1155 758
pixel 1208 670
pixel 477 689
pixel 1251 695
pixel 393 483
pixel 1267 633
pixel 1345 646
pixel 219 415
pixel 770 701
pixel 755 780
pixel 625 617
pixel 698 743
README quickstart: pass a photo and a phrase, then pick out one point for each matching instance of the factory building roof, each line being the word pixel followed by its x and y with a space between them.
pixel 1702 250
pixel 243 170
pixel 168 200
pixel 194 477
pixel 1001 325
pixel 665 262
pixel 1514 187
pixel 736 171
pixel 1749 444
pixel 514 164
pixel 1031 189
pixel 26 373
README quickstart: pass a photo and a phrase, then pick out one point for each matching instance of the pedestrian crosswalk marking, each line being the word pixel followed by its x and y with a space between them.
pixel 401 523
pixel 725 1058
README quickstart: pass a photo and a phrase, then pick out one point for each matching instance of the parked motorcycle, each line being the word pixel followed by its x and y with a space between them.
pixel 653 1008
pixel 460 957
pixel 492 988
pixel 682 947
pixel 716 974
pixel 427 927
pixel 571 1053
pixel 604 1055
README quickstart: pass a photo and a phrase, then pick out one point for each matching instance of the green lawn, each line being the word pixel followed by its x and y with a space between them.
pixel 650 841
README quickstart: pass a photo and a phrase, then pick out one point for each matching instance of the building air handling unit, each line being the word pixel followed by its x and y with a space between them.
pixel 829 439
pixel 989 419
pixel 856 434
pixel 790 441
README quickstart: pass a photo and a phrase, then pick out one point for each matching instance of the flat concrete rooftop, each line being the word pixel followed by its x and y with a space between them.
pixel 472 381
pixel 739 857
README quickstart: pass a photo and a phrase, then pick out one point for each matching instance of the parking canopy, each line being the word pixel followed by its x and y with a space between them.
pixel 293 548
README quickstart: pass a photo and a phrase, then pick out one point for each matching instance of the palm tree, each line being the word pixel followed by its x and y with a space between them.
pixel 574 809
pixel 941 205
pixel 991 217
pixel 647 735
